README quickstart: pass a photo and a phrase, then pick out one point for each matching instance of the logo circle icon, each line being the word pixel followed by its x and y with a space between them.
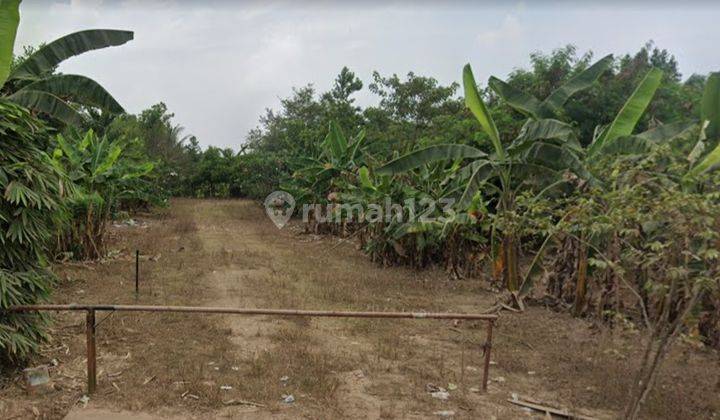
pixel 279 206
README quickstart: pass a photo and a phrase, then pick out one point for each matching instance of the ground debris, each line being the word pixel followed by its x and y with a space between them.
pixel 528 403
pixel 243 402
pixel 187 394
pixel 37 376
pixel 437 392
pixel 440 395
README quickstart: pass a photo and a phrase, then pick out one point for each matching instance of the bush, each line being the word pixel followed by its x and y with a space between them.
pixel 33 189
pixel 257 175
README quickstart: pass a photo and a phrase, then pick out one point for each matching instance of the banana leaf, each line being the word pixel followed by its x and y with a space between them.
pixel 709 163
pixel 479 110
pixel 47 103
pixel 427 155
pixel 482 172
pixel 553 103
pixel 710 106
pixel 78 89
pixel 517 99
pixel 545 129
pixel 48 57
pixel 625 121
pixel 645 141
pixel 9 20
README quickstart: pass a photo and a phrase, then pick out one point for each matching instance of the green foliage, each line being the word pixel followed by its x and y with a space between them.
pixel 9 20
pixel 255 175
pixel 478 108
pixel 31 81
pixel 105 175
pixel 552 106
pixel 544 148
pixel 336 164
pixel 674 100
pixel 50 55
pixel 625 121
pixel 432 143
pixel 161 141
pixel 42 195
pixel 33 190
pixel 710 106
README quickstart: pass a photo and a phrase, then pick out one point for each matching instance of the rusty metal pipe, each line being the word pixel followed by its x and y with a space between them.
pixel 252 311
pixel 91 353
pixel 486 352
pixel 91 326
pixel 137 272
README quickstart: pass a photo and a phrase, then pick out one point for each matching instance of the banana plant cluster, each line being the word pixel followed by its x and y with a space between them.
pixel 104 175
pixel 419 224
pixel 319 179
pixel 537 159
pixel 618 140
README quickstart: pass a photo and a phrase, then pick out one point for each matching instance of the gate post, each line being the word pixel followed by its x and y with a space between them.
pixel 486 352
pixel 91 357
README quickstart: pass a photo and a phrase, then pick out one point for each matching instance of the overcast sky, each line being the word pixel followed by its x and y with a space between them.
pixel 218 65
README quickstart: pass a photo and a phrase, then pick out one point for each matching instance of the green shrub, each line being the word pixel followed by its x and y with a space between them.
pixel 257 175
pixel 32 192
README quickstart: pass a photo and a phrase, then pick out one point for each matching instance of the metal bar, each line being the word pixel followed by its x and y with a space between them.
pixel 91 325
pixel 91 354
pixel 252 311
pixel 486 352
pixel 137 271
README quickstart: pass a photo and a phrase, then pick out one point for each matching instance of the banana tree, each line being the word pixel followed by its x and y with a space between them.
pixel 615 139
pixel 679 232
pixel 33 84
pixel 416 223
pixel 701 162
pixel 338 161
pixel 103 175
pixel 535 160
pixel 618 139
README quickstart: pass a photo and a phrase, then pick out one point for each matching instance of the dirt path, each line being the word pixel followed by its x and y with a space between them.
pixel 227 253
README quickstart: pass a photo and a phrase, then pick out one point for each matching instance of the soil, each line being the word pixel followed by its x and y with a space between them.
pixel 227 253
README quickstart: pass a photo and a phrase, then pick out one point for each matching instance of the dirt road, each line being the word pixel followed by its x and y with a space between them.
pixel 227 253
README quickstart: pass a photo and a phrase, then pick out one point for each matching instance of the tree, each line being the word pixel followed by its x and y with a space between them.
pixel 410 109
pixel 339 103
pixel 294 129
pixel 162 142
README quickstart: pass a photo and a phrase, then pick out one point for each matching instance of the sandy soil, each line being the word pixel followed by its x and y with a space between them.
pixel 227 253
